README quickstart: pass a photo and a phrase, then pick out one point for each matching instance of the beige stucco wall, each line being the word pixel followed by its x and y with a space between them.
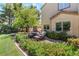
pixel 73 7
pixel 51 9
pixel 74 20
pixel 48 11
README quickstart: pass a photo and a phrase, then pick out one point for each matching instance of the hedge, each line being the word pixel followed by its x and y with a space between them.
pixel 57 36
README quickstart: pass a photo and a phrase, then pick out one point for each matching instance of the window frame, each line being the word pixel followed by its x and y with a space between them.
pixel 65 23
pixel 62 26
pixel 64 7
pixel 47 27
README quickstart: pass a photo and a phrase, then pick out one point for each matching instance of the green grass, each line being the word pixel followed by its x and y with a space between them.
pixel 7 46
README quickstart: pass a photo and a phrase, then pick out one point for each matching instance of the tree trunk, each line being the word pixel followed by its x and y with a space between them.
pixel 9 21
pixel 26 29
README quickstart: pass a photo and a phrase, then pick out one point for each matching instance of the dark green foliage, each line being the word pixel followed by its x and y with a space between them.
pixel 6 29
pixel 55 35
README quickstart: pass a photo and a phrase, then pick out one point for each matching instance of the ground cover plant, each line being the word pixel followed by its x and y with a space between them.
pixel 42 48
pixel 74 41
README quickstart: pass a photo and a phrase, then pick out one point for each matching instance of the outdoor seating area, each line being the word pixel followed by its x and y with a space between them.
pixel 36 33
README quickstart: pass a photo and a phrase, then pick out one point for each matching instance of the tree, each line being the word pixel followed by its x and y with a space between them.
pixel 7 13
pixel 9 10
pixel 27 17
pixel 16 8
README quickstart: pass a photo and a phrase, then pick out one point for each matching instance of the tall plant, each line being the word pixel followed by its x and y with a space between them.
pixel 26 17
pixel 9 10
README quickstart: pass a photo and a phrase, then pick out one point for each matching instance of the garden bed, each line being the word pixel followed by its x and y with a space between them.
pixel 42 48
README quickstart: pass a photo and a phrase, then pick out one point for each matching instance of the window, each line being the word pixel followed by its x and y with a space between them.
pixel 46 27
pixel 62 6
pixel 62 26
pixel 66 26
pixel 58 26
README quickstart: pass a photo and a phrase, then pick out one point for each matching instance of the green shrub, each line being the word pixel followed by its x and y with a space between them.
pixel 20 37
pixel 59 49
pixel 41 48
pixel 48 49
pixel 55 35
pixel 5 29
pixel 73 41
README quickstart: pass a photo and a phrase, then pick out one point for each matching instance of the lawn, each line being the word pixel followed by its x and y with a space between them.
pixel 7 46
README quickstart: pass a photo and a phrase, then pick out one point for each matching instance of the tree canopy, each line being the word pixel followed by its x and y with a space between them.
pixel 19 16
pixel 27 17
pixel 8 11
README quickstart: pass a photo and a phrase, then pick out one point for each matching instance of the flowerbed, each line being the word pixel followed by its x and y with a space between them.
pixel 41 48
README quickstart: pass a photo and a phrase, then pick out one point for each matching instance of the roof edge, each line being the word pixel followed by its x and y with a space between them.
pixel 43 6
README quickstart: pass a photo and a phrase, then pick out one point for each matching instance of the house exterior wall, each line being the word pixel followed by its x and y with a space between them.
pixel 48 10
pixel 72 18
pixel 51 9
